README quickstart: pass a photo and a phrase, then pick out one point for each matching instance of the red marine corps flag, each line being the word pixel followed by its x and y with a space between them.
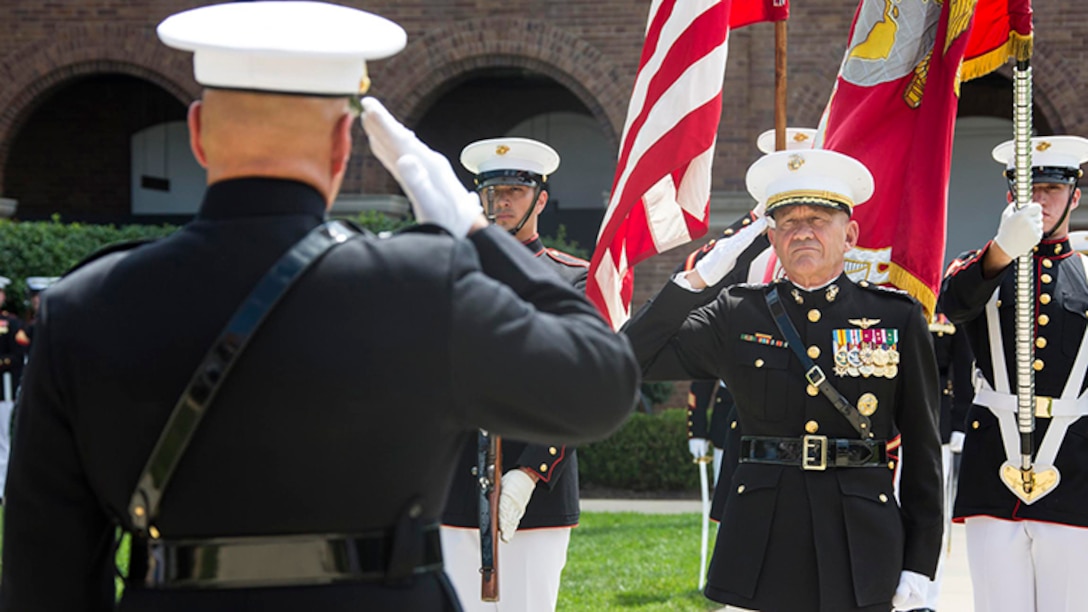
pixel 894 108
pixel 661 191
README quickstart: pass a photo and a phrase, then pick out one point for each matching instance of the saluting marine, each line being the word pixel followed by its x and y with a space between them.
pixel 823 372
pixel 538 503
pixel 264 458
pixel 1027 554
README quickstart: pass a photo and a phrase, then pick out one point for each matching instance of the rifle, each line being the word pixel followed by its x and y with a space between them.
pixel 489 473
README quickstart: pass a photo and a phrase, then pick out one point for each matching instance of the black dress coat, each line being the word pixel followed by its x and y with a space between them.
pixel 555 501
pixel 1061 321
pixel 795 540
pixel 349 403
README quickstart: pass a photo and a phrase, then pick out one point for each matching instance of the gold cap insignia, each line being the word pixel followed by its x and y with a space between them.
pixel 864 323
pixel 1043 146
pixel 867 404
pixel 502 150
pixel 800 137
pixel 795 162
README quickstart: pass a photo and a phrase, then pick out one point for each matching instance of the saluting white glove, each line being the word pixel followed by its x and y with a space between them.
pixel 1020 230
pixel 955 442
pixel 911 592
pixel 698 447
pixel 721 259
pixel 517 488
pixel 425 175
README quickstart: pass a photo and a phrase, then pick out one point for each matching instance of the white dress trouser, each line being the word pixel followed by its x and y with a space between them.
pixel 530 567
pixel 1026 566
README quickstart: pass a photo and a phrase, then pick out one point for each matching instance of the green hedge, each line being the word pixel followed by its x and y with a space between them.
pixel 50 248
pixel 649 453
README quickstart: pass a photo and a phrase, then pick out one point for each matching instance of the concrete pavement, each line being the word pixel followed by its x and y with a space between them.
pixel 956 595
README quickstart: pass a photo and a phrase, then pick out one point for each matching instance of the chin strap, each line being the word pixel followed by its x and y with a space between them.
pixel 1065 213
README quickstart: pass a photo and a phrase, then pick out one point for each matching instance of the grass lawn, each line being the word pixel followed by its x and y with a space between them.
pixel 630 561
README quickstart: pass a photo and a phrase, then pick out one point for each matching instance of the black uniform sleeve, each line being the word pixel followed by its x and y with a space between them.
pixel 963 379
pixel 534 360
pixel 57 540
pixel 548 461
pixel 699 395
pixel 673 342
pixel 920 485
pixel 964 292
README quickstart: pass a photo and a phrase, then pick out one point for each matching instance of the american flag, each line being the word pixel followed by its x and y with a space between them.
pixel 661 191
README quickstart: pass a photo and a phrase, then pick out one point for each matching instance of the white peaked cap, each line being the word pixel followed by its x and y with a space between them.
pixel 40 283
pixel 521 154
pixel 796 138
pixel 817 177
pixel 1047 151
pixel 291 47
pixel 1078 241
pixel 4 282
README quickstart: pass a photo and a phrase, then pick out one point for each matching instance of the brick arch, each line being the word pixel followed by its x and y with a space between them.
pixel 411 80
pixel 79 51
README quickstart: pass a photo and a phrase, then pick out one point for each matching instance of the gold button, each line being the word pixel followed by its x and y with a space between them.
pixel 740 489
pixel 864 283
pixel 138 510
pixel 154 533
pixel 812 427
pixel 728 232
pixel 1045 278
pixel 814 352
pixel 759 363
pixel 746 221
pixel 552 451
pixel 1043 319
pixel 1044 298
pixel 998 304
pixel 543 467
pixel 974 424
pixel 883 498
pixel 1037 364
pixel 812 390
pixel 733 425
pixel 689 423
pixel 1035 249
pixel 891 465
pixel 814 315
pixel 1040 343
pixel 1047 263
pixel 1057 249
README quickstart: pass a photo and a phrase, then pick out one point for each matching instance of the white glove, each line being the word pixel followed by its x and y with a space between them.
pixel 698 447
pixel 721 259
pixel 955 443
pixel 1020 230
pixel 911 592
pixel 425 175
pixel 517 488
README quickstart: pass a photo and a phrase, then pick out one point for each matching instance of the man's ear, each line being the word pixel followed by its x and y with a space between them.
pixel 852 231
pixel 194 121
pixel 341 144
pixel 541 201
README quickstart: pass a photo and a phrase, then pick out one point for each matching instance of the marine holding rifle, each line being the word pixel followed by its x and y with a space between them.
pixel 255 478
pixel 1027 549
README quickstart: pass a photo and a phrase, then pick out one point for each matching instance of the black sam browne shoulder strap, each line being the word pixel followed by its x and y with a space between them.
pixel 813 373
pixel 213 370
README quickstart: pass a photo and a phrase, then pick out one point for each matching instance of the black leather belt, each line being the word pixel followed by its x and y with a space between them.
pixel 295 560
pixel 813 452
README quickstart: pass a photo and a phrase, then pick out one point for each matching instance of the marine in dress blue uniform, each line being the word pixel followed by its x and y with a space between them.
pixel 539 480
pixel 802 530
pixel 1027 556
pixel 319 444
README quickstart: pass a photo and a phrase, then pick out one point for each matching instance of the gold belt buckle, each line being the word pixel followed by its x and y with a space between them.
pixel 1044 407
pixel 814 453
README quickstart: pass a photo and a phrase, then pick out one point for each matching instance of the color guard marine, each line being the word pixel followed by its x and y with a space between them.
pixel 1027 554
pixel 539 493
pixel 823 372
